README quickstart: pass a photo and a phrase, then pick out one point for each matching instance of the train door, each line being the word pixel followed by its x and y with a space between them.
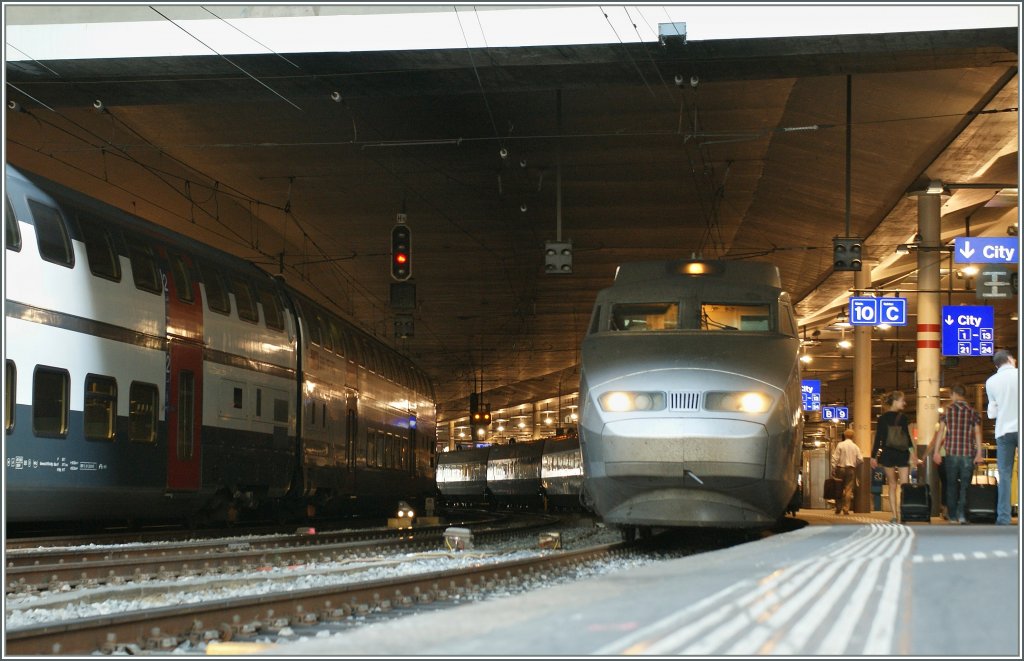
pixel 184 416
pixel 351 433
pixel 185 375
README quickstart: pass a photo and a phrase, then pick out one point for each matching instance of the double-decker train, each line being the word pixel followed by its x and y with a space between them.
pixel 538 474
pixel 148 376
pixel 690 397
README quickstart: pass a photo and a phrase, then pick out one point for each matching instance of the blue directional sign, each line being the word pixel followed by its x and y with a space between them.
pixel 835 413
pixel 968 330
pixel 870 311
pixel 985 250
pixel 811 391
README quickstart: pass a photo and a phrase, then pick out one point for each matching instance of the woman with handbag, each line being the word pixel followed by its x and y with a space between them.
pixel 892 448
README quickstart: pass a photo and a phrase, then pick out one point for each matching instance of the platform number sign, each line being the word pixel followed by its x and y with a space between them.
pixel 837 413
pixel 810 390
pixel 869 311
pixel 968 330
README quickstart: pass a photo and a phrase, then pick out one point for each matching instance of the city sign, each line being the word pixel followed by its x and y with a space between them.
pixel 870 311
pixel 985 250
pixel 835 413
pixel 995 281
pixel 810 390
pixel 968 330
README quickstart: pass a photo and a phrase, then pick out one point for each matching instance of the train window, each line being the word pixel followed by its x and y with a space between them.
pixel 645 316
pixel 186 414
pixel 339 347
pixel 50 395
pixel 243 299
pixel 313 325
pixel 280 410
pixel 99 249
pixel 259 402
pixel 144 271
pixel 272 314
pixel 182 279
pixel 325 332
pixel 787 321
pixel 371 448
pixel 51 234
pixel 746 318
pixel 595 320
pixel 10 389
pixel 216 292
pixel 236 398
pixel 100 408
pixel 12 237
pixel 143 404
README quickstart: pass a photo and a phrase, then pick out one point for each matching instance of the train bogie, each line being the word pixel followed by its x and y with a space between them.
pixel 690 397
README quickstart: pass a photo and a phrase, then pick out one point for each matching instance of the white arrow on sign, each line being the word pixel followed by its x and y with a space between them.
pixel 967 250
pixel 949 320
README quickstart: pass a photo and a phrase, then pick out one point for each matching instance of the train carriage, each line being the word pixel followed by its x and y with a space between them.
pixel 690 397
pixel 149 376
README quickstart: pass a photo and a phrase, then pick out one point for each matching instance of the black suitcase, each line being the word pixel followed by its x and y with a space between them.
pixel 981 498
pixel 833 489
pixel 915 503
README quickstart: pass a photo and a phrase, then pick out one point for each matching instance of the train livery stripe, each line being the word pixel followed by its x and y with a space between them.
pixel 74 323
pixel 78 324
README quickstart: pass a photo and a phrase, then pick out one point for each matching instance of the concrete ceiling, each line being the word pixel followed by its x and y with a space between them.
pixel 305 160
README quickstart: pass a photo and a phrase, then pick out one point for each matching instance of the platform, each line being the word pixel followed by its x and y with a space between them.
pixel 842 585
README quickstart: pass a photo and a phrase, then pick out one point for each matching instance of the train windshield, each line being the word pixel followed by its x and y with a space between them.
pixel 645 316
pixel 746 318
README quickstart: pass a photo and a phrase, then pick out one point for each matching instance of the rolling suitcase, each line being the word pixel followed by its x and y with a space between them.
pixel 915 503
pixel 833 488
pixel 981 498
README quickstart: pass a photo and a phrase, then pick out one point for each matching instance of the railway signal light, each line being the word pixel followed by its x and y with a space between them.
pixel 846 253
pixel 558 256
pixel 479 416
pixel 401 250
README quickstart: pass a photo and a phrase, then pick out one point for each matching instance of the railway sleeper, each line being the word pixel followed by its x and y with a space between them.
pixel 157 640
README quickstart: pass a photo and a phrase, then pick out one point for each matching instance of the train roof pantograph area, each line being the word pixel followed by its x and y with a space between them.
pixel 652 147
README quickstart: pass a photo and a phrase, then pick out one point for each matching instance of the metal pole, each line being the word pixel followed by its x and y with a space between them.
pixel 929 330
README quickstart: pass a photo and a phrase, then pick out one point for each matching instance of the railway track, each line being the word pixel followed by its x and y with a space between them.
pixel 59 569
pixel 165 628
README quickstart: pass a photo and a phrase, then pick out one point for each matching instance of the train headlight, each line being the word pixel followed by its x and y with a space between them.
pixel 741 402
pixel 620 401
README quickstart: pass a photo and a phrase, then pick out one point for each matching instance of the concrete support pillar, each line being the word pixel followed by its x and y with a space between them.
pixel 929 330
pixel 862 391
pixel 862 371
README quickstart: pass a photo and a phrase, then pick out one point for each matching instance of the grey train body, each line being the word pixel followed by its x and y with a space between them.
pixel 533 474
pixel 708 352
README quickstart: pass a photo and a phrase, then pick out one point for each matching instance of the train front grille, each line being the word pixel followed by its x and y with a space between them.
pixel 684 401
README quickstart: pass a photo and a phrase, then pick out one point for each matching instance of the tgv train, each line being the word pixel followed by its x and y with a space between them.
pixel 690 397
pixel 149 376
pixel 547 474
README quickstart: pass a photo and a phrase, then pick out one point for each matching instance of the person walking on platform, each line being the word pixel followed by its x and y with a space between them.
pixel 845 459
pixel 960 433
pixel 892 448
pixel 1003 402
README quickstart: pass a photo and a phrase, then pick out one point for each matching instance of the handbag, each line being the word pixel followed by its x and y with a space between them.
pixel 896 438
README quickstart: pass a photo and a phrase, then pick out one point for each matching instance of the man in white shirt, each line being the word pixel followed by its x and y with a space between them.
pixel 1003 405
pixel 845 459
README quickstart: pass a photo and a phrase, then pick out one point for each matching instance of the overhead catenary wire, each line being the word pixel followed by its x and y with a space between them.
pixel 226 59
